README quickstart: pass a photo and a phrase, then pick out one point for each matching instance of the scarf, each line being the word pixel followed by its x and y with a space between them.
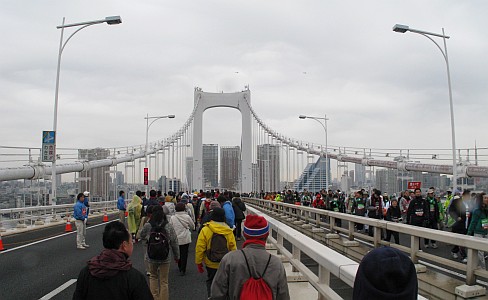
pixel 109 263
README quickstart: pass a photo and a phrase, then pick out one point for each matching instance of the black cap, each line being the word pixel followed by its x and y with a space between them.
pixel 218 215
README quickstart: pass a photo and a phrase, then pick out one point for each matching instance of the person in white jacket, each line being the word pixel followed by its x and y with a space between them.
pixel 182 223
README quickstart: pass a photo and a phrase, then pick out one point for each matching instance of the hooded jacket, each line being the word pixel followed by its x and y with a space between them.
pixel 205 238
pixel 110 276
pixel 182 223
pixel 133 219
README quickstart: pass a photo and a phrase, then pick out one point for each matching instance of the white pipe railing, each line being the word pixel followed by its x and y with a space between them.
pixel 316 218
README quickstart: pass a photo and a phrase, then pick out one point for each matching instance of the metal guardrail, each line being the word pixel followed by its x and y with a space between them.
pixel 316 218
pixel 12 217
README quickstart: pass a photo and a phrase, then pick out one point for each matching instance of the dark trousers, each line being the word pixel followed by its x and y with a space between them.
pixel 238 230
pixel 395 235
pixel 183 257
pixel 359 226
pixel 458 227
pixel 432 224
pixel 210 276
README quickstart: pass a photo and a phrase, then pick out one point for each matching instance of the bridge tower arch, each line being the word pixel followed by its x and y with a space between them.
pixel 239 101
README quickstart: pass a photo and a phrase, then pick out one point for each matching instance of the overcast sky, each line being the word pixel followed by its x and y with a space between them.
pixel 379 88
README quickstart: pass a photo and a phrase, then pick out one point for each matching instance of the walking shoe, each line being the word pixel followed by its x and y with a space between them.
pixel 434 245
pixel 465 260
pixel 454 255
pixel 426 245
pixel 81 248
pixel 148 274
pixel 86 246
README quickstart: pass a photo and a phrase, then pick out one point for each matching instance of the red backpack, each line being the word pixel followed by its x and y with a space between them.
pixel 256 288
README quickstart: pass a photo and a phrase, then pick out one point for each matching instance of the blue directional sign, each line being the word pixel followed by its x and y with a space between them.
pixel 48 145
pixel 48 137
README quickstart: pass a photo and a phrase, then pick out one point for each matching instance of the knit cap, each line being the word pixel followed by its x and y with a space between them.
pixel 214 204
pixel 386 273
pixel 256 227
pixel 218 215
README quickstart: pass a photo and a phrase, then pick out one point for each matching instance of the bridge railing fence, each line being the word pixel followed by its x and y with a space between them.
pixel 37 215
pixel 326 220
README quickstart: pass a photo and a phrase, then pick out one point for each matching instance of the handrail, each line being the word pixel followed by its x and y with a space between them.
pixel 314 216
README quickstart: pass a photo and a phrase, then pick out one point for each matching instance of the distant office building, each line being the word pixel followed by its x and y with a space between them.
pixel 386 180
pixel 96 181
pixel 162 186
pixel 230 166
pixel 210 166
pixel 173 184
pixel 119 178
pixel 313 176
pixel 360 175
pixel 268 159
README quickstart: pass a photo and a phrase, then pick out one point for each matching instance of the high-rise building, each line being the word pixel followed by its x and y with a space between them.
pixel 230 166
pixel 119 178
pixel 210 166
pixel 268 159
pixel 96 181
pixel 386 180
pixel 360 175
pixel 313 177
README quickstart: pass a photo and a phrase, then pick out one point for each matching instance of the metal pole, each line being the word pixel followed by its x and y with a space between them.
pixel 147 148
pixel 55 122
pixel 326 155
pixel 453 133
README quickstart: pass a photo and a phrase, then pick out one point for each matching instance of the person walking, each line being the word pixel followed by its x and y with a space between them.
pixel 393 214
pixel 110 274
pixel 211 247
pixel 253 261
pixel 457 211
pixel 121 206
pixel 434 216
pixel 80 213
pixel 134 208
pixel 479 226
pixel 86 202
pixel 239 209
pixel 159 268
pixel 182 223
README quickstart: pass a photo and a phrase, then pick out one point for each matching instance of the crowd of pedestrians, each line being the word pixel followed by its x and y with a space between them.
pixel 462 212
pixel 163 224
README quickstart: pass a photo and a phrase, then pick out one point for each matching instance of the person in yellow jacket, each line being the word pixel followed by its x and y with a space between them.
pixel 134 217
pixel 203 248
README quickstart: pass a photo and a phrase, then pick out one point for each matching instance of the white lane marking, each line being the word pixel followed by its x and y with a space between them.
pixel 51 238
pixel 58 290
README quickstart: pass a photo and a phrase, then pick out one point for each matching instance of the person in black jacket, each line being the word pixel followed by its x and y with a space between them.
pixel 393 214
pixel 239 209
pixel 457 210
pixel 418 210
pixel 110 275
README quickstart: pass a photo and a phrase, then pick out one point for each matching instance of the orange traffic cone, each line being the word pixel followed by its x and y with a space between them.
pixel 68 225
pixel 1 244
pixel 105 217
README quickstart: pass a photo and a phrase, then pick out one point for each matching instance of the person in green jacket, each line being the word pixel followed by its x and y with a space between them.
pixel 134 217
pixel 479 226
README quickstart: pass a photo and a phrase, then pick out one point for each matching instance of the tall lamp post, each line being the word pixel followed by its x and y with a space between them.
pixel 113 20
pixel 154 119
pixel 324 125
pixel 404 28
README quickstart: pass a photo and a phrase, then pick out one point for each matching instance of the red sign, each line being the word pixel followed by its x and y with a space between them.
pixel 412 185
pixel 146 177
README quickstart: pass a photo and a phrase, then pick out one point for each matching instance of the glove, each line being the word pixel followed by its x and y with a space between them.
pixel 84 221
pixel 200 268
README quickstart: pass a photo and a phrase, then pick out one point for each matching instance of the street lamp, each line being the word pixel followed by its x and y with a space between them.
pixel 147 117
pixel 404 28
pixel 113 20
pixel 324 125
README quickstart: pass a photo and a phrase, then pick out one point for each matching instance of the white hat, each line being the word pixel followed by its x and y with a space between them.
pixel 86 193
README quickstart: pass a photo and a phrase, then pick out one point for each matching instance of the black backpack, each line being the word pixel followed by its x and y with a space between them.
pixel 218 248
pixel 157 244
